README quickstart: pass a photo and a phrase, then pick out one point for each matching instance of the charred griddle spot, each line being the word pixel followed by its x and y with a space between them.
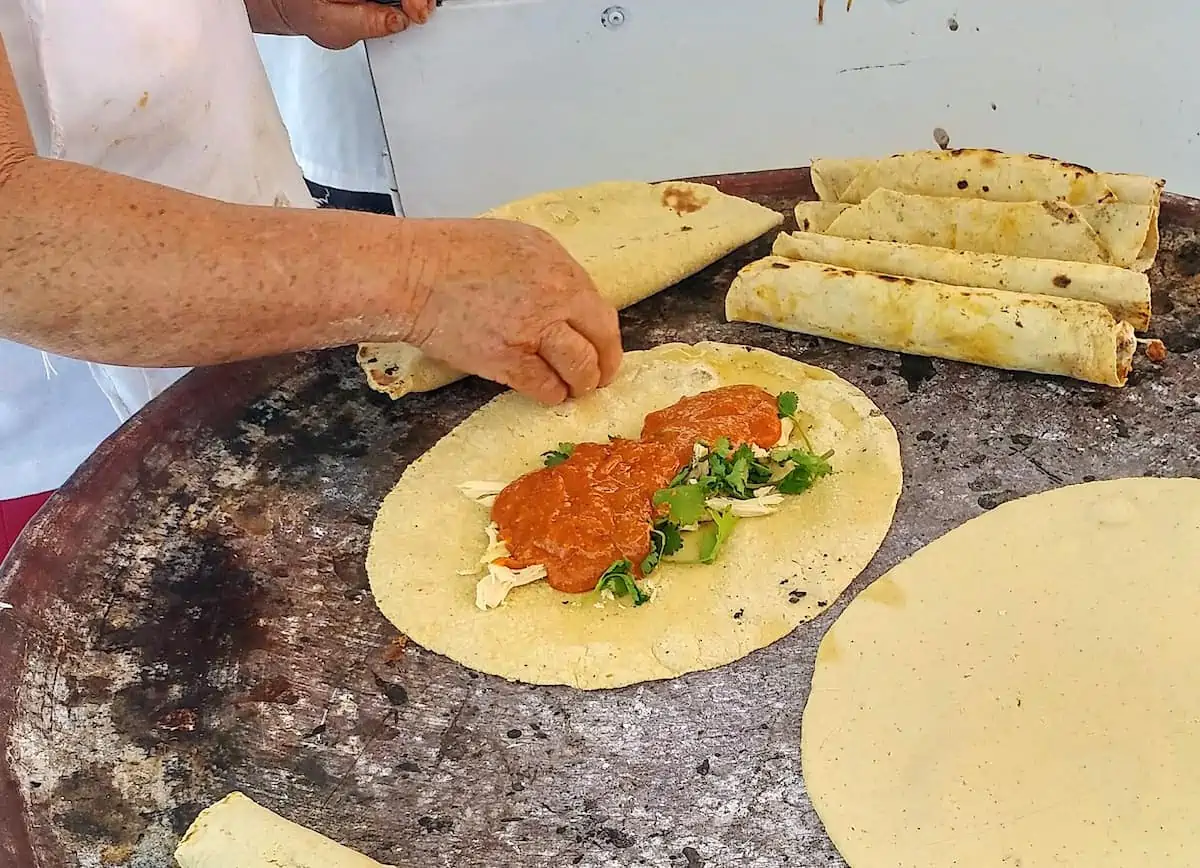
pixel 916 370
pixel 213 607
pixel 682 200
pixel 395 693
pixel 1061 281
pixel 88 804
pixel 274 691
pixel 1187 260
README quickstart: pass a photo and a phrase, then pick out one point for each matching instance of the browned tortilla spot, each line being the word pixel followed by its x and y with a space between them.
pixel 1060 211
pixel 1061 281
pixel 683 201
pixel 780 265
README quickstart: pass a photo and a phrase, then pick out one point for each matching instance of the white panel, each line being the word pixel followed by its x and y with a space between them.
pixel 496 100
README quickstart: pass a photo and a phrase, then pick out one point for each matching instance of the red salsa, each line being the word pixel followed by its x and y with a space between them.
pixel 581 516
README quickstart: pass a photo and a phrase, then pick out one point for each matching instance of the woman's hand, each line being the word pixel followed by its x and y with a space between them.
pixel 336 24
pixel 505 301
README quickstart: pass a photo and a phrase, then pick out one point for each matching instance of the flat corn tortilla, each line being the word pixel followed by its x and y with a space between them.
pixel 999 329
pixel 633 239
pixel 237 833
pixel 1021 691
pixel 774 573
pixel 1125 293
pixel 980 174
pixel 1112 233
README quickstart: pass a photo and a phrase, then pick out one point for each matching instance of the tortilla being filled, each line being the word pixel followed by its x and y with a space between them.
pixel 1125 293
pixel 774 571
pixel 1021 691
pixel 1112 233
pixel 980 174
pixel 999 329
pixel 633 239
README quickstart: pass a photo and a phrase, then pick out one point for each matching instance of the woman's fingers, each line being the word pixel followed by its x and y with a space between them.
pixel 418 10
pixel 573 358
pixel 597 321
pixel 532 376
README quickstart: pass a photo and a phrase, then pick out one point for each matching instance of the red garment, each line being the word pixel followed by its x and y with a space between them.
pixel 14 515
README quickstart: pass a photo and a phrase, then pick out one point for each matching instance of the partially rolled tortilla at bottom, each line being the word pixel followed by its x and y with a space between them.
pixel 1126 293
pixel 999 329
pixel 237 833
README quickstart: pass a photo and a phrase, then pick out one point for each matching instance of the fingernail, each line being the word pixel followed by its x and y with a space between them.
pixel 396 22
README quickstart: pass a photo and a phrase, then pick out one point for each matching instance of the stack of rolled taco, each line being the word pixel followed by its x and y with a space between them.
pixel 1012 261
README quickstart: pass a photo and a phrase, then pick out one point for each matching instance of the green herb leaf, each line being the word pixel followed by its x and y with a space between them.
pixel 806 469
pixel 620 580
pixel 555 457
pixel 787 404
pixel 714 535
pixel 665 540
pixel 686 502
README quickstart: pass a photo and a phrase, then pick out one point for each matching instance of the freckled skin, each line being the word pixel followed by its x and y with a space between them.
pixel 596 508
pixel 108 268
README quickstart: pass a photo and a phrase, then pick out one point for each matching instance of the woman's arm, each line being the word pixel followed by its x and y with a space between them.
pixel 112 269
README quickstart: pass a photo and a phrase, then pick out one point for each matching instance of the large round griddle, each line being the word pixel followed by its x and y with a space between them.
pixel 192 614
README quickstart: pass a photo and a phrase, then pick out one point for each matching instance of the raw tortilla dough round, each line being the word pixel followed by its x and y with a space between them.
pixel 1022 692
pixel 771 576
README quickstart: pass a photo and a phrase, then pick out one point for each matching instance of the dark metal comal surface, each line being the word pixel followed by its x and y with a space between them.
pixel 192 615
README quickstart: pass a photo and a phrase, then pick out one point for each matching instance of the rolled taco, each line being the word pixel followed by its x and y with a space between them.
pixel 999 329
pixel 633 239
pixel 1111 233
pixel 979 174
pixel 1125 293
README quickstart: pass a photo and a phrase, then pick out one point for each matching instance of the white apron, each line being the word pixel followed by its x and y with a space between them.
pixel 330 109
pixel 172 92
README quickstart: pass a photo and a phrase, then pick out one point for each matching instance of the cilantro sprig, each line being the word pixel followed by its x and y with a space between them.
pixel 718 471
pixel 555 457
pixel 787 405
pixel 619 579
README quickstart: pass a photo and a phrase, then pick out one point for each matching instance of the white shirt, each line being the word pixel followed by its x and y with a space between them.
pixel 171 92
pixel 329 106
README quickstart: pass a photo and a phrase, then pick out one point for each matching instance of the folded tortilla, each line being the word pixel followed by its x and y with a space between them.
pixel 633 239
pixel 1125 293
pixel 1037 333
pixel 775 571
pixel 980 174
pixel 1112 233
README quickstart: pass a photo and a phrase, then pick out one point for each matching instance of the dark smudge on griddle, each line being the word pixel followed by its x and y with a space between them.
pixel 916 370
